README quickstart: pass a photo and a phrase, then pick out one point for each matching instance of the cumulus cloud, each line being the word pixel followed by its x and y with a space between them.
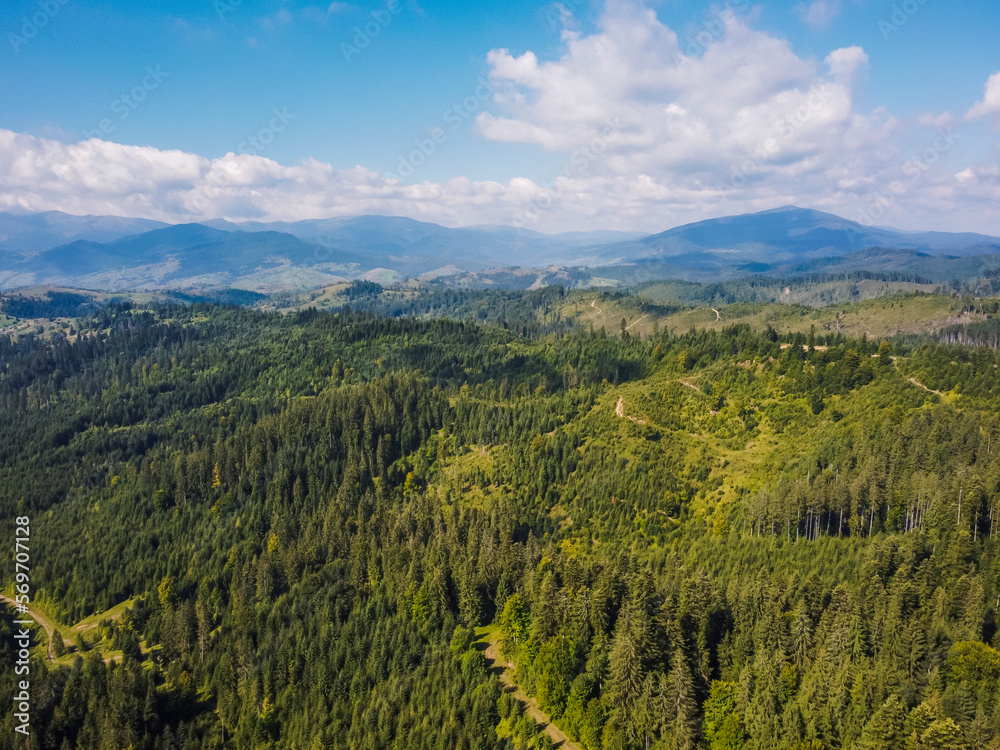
pixel 631 90
pixel 990 105
pixel 819 13
pixel 845 62
pixel 101 177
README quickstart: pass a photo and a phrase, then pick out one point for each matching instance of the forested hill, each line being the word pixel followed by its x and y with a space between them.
pixel 726 539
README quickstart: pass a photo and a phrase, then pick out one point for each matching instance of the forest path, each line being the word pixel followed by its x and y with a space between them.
pixel 642 318
pixel 502 668
pixel 921 385
pixel 717 316
pixel 49 628
pixel 620 411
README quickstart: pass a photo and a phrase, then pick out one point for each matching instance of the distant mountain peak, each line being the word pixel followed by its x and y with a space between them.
pixel 114 252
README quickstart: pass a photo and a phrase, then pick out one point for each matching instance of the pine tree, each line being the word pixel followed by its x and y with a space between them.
pixel 626 671
pixel 724 728
pixel 682 706
pixel 801 641
pixel 885 729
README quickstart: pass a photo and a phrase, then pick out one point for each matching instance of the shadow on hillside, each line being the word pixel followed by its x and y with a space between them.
pixel 493 664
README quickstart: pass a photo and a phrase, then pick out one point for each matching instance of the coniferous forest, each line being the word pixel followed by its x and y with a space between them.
pixel 334 530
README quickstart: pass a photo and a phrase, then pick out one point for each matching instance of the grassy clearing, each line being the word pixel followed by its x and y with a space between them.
pixel 490 633
pixel 86 628
pixel 876 318
pixel 89 624
pixel 880 317
pixel 820 294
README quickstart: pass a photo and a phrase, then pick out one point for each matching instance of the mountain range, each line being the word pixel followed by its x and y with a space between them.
pixel 105 252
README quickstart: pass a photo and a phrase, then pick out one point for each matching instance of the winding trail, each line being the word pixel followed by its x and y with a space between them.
pixel 620 411
pixel 629 326
pixel 501 667
pixel 717 316
pixel 49 628
pixel 921 385
pixel 805 347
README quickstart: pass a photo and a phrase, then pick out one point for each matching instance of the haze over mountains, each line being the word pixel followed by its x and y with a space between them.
pixel 104 252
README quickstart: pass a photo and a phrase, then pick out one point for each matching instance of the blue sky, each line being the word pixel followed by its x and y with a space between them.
pixel 502 98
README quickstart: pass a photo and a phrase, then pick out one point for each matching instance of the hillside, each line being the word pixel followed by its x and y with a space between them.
pixel 739 537
pixel 880 317
pixel 790 233
pixel 856 308
pixel 785 243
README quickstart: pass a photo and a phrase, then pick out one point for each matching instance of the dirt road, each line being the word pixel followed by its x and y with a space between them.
pixel 620 411
pixel 502 668
pixel 49 629
pixel 921 385
pixel 628 327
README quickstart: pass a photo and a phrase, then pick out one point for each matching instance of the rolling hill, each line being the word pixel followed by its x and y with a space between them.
pixel 113 253
pixel 791 234
pixel 26 233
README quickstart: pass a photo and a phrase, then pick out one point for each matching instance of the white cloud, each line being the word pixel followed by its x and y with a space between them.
pixel 192 32
pixel 101 177
pixel 990 105
pixel 561 17
pixel 321 16
pixel 276 21
pixel 819 13
pixel 845 62
pixel 686 119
